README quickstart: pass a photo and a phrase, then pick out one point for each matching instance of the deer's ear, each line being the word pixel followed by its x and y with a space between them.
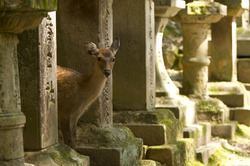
pixel 115 45
pixel 91 48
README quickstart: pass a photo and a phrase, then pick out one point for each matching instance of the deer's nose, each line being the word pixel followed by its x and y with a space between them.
pixel 107 72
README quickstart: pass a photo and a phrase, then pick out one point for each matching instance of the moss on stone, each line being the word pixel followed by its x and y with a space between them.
pixel 59 154
pixel 211 105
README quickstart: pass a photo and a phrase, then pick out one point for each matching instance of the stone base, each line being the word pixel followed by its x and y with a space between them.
pixel 151 134
pixel 225 130
pixel 173 154
pixel 201 133
pixel 115 146
pixel 242 115
pixel 56 155
pixel 150 163
pixel 204 152
pixel 174 129
pixel 210 109
pixel 233 94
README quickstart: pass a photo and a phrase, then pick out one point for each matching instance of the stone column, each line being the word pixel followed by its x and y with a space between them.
pixel 78 22
pixel 224 43
pixel 15 17
pixel 134 73
pixel 195 22
pixel 37 66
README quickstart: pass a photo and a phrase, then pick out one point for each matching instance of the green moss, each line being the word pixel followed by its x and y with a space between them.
pixel 211 106
pixel 242 131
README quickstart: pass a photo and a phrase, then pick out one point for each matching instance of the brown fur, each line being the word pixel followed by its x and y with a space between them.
pixel 76 91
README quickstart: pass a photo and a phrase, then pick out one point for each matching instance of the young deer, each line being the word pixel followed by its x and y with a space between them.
pixel 76 91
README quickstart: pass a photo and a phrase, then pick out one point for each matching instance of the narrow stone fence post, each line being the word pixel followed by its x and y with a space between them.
pixel 15 17
pixel 224 43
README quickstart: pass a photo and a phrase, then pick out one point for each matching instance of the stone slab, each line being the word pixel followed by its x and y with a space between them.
pixel 243 48
pixel 201 133
pixel 173 154
pixel 149 163
pixel 242 115
pixel 56 155
pixel 243 70
pixel 247 86
pixel 151 134
pixel 231 100
pixel 204 152
pixel 224 130
pixel 102 156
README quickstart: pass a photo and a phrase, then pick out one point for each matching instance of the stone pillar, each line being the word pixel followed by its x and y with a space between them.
pixel 37 66
pixel 15 17
pixel 134 73
pixel 224 43
pixel 78 22
pixel 195 22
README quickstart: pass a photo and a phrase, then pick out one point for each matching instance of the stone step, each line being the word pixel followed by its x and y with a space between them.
pixel 243 70
pixel 204 152
pixel 233 94
pixel 224 130
pixel 150 163
pixel 242 115
pixel 172 154
pixel 151 134
pixel 201 133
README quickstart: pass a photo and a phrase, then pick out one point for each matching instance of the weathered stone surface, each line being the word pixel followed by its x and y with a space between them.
pixel 168 9
pixel 25 14
pixel 75 19
pixel 150 163
pixel 149 133
pixel 211 110
pixel 233 94
pixel 204 152
pixel 242 115
pixel 136 55
pixel 160 116
pixel 225 130
pixel 175 154
pixel 235 7
pixel 12 119
pixel 56 155
pixel 201 133
pixel 37 66
pixel 223 50
pixel 243 70
pixel 243 48
pixel 114 146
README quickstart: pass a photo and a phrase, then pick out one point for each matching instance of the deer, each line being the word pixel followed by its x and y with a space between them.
pixel 76 91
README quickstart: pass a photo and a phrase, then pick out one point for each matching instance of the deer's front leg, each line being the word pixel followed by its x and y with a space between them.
pixel 69 132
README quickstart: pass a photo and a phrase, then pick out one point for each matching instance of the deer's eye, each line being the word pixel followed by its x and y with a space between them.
pixel 113 60
pixel 99 58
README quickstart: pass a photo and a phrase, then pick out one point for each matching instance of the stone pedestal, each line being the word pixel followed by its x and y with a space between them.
pixel 224 43
pixel 16 17
pixel 195 22
pixel 134 72
pixel 37 68
pixel 79 22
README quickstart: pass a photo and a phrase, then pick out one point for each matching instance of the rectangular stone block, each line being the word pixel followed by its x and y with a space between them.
pixel 135 59
pixel 151 134
pixel 242 115
pixel 243 70
pixel 102 156
pixel 231 100
pixel 243 48
pixel 225 130
pixel 37 70
pixel 204 152
pixel 201 133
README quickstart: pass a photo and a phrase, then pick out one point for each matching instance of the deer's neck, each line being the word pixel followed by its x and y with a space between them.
pixel 94 82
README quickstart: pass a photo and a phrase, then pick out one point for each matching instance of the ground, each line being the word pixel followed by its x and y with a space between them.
pixel 236 153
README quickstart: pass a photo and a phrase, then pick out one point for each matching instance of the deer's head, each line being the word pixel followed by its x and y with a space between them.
pixel 105 57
